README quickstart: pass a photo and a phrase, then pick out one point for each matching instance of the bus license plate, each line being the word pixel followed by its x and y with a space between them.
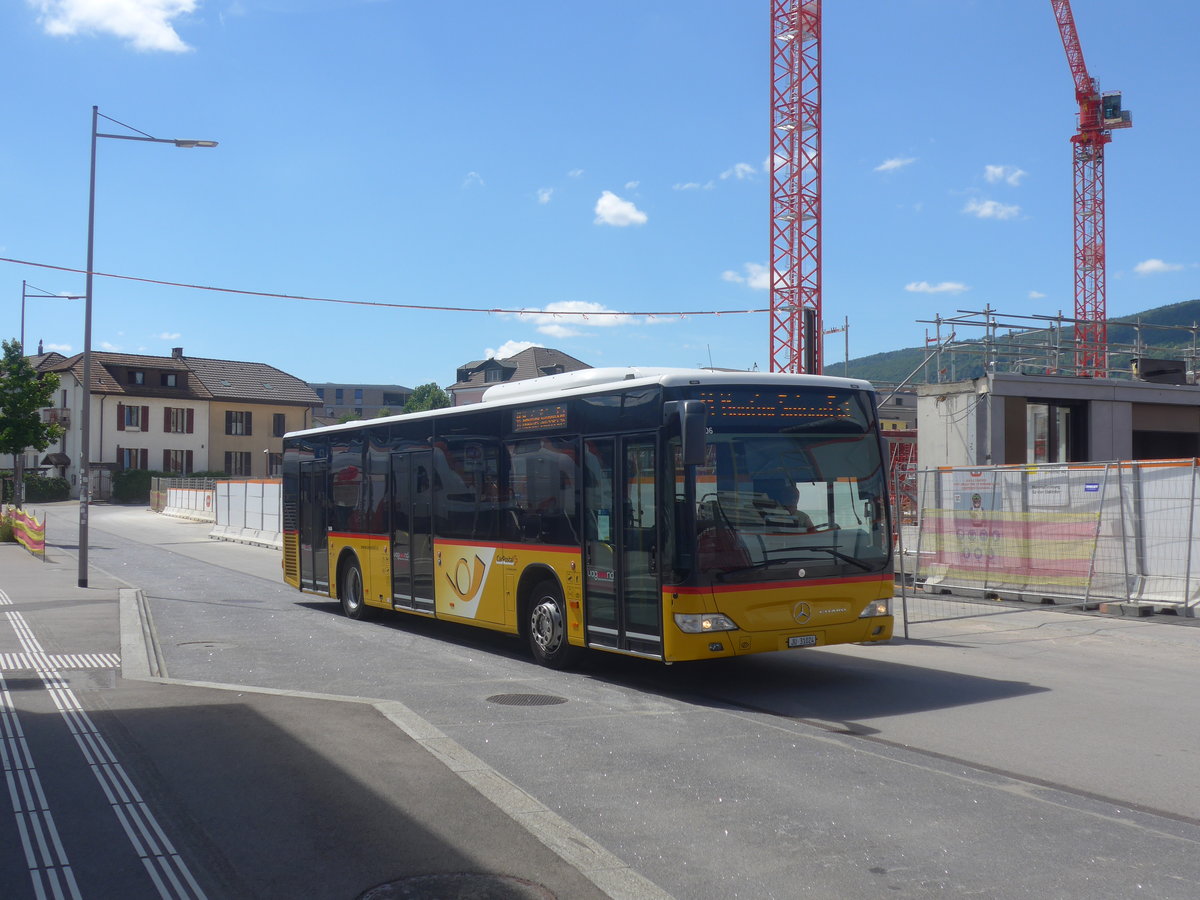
pixel 803 640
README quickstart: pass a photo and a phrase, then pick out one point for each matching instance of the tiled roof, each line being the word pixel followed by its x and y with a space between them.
pixel 198 378
pixel 229 380
pixel 531 363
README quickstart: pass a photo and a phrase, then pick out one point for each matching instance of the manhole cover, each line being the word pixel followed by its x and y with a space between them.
pixel 526 699
pixel 458 886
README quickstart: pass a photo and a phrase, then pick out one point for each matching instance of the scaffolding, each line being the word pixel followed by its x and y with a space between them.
pixel 1047 345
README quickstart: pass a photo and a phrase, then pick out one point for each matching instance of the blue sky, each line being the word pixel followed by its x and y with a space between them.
pixel 547 155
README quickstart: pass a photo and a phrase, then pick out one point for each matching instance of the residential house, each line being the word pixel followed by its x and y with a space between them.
pixel 174 414
pixel 474 378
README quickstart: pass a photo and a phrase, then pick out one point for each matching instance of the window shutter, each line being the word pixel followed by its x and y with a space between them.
pixel 145 419
pixel 166 466
pixel 166 421
pixel 144 459
pixel 187 460
pixel 228 462
pixel 120 458
pixel 191 422
pixel 229 421
pixel 120 417
pixel 247 423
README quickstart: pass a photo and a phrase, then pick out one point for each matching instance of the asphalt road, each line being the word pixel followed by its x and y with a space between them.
pixel 1033 754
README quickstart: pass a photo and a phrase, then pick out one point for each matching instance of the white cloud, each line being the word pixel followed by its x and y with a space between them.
pixel 692 186
pixel 1036 295
pixel 612 210
pixel 756 276
pixel 632 185
pixel 942 287
pixel 1156 267
pixel 544 195
pixel 1009 174
pixel 111 348
pixel 473 179
pixel 64 349
pixel 575 173
pixel 991 209
pixel 569 318
pixel 146 24
pixel 170 336
pixel 509 348
pixel 741 171
pixel 896 162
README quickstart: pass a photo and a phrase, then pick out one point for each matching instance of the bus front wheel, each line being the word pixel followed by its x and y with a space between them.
pixel 547 628
pixel 350 591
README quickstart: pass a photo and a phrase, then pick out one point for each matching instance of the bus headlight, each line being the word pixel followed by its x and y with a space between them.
pixel 877 608
pixel 692 623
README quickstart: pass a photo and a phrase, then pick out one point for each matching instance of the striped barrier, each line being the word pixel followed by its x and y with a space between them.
pixel 29 532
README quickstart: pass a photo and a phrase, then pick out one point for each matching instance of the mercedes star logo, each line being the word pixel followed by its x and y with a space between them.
pixel 802 612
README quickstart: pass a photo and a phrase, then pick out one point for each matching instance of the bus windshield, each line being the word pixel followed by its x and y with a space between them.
pixel 790 496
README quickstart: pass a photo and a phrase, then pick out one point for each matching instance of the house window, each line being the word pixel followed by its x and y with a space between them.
pixel 339 397
pixel 178 462
pixel 133 419
pixel 358 396
pixel 177 420
pixel 320 392
pixel 168 379
pixel 274 464
pixel 278 424
pixel 237 463
pixel 237 421
pixel 136 376
pixel 491 375
pixel 133 458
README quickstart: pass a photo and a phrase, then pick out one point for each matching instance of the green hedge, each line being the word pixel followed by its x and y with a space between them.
pixel 38 488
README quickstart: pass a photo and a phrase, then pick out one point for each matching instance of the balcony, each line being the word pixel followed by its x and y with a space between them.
pixel 53 416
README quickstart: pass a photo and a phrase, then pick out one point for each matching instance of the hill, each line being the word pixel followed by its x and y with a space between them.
pixel 894 366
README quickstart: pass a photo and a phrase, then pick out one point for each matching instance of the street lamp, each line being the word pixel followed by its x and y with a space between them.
pixel 41 295
pixel 85 487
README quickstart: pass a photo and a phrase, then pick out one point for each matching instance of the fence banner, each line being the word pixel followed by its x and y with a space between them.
pixel 29 532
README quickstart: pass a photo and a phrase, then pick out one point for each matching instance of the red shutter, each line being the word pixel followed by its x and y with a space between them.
pixel 191 422
pixel 120 417
pixel 145 420
pixel 144 459
pixel 166 421
pixel 187 459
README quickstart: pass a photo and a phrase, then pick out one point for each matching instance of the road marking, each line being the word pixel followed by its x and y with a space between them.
pixel 14 662
pixel 162 862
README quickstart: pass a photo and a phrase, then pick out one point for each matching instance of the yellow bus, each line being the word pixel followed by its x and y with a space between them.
pixel 670 514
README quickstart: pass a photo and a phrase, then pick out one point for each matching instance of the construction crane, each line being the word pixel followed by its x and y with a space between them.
pixel 1099 113
pixel 796 186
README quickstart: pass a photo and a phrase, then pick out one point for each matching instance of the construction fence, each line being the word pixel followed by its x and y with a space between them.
pixel 1077 534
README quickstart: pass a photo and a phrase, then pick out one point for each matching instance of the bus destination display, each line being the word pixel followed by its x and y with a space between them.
pixel 540 418
pixel 777 405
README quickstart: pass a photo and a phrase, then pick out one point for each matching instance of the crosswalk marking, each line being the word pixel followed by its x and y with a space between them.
pixel 16 662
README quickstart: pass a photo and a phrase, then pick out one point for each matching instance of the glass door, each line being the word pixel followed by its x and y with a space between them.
pixel 314 530
pixel 412 530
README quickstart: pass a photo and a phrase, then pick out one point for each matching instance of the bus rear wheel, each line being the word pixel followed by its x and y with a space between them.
pixel 546 625
pixel 350 591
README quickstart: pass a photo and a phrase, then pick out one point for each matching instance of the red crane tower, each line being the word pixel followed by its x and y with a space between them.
pixel 796 186
pixel 1098 115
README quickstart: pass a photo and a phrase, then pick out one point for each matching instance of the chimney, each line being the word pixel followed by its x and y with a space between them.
pixel 177 352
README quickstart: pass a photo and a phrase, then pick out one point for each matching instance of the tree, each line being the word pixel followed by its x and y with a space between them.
pixel 23 393
pixel 427 396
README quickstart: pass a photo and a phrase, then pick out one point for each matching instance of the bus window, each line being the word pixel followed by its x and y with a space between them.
pixel 542 490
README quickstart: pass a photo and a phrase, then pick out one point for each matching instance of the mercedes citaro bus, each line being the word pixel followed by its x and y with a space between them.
pixel 670 514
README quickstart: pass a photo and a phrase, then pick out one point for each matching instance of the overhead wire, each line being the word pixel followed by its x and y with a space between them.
pixel 390 305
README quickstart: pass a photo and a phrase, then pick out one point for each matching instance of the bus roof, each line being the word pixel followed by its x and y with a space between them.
pixel 594 381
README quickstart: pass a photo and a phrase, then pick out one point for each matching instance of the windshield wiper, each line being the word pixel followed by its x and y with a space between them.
pixel 793 560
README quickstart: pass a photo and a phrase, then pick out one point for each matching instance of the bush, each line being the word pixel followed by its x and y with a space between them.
pixel 133 485
pixel 6 531
pixel 44 489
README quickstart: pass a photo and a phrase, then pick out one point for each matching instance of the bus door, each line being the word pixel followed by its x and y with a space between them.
pixel 314 522
pixel 412 530
pixel 623 600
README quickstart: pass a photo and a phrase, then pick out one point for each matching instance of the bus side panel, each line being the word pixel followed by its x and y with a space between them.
pixel 291 558
pixel 475 582
pixel 371 552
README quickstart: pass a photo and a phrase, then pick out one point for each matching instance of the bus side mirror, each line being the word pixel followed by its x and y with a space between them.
pixel 691 428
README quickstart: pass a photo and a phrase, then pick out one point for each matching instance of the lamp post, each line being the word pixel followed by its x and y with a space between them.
pixel 85 487
pixel 41 294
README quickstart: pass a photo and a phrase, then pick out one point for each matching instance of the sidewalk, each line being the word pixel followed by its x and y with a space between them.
pixel 234 792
